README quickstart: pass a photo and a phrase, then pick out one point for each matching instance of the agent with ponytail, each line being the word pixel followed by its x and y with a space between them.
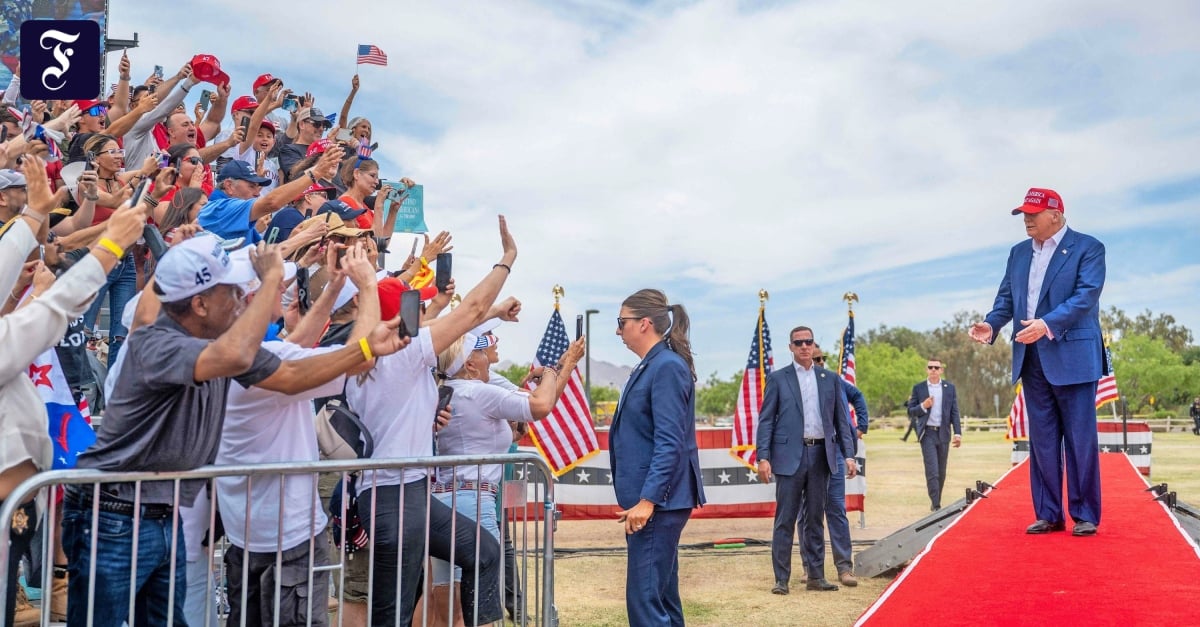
pixel 653 455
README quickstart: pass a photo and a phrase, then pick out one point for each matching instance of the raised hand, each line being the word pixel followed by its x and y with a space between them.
pixel 268 263
pixel 981 332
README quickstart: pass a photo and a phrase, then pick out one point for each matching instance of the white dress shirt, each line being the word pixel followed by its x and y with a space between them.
pixel 810 401
pixel 935 410
pixel 1037 269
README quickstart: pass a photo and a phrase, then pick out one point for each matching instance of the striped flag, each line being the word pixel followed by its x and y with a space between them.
pixel 846 358
pixel 1018 422
pixel 566 437
pixel 1106 387
pixel 69 427
pixel 745 416
pixel 370 55
pixel 856 488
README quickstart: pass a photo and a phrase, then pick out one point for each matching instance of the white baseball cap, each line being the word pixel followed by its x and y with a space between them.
pixel 196 264
pixel 241 257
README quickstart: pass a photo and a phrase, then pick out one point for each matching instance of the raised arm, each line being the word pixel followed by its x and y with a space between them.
pixel 478 302
pixel 211 125
pixel 344 118
pixel 325 168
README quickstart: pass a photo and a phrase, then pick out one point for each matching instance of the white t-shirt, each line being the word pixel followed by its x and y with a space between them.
pixel 479 426
pixel 270 165
pixel 263 426
pixel 397 403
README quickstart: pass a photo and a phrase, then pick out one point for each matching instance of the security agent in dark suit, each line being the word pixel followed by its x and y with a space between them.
pixel 933 406
pixel 803 423
pixel 653 455
pixel 1052 286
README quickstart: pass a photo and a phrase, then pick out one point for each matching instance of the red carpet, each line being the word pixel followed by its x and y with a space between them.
pixel 1139 569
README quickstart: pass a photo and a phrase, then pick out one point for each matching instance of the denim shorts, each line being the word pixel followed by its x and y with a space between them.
pixel 466 503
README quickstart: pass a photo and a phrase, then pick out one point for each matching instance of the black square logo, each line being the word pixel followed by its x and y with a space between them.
pixel 60 59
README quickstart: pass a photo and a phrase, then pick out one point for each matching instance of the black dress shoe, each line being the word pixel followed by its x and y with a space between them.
pixel 820 584
pixel 1045 526
pixel 780 588
pixel 1084 528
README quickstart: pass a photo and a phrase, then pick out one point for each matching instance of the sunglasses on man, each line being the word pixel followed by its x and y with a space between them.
pixel 933 367
pixel 96 110
pixel 819 360
pixel 803 342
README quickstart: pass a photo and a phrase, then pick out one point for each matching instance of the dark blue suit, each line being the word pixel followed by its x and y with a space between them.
pixel 653 455
pixel 835 500
pixel 1059 375
pixel 935 441
pixel 802 471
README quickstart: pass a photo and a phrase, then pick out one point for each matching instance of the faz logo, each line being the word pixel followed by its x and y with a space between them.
pixel 60 59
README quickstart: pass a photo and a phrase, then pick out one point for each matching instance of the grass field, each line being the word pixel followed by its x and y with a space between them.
pixel 733 587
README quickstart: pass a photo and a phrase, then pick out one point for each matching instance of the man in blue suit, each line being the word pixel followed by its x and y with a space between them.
pixel 933 407
pixel 803 424
pixel 840 542
pixel 653 455
pixel 1052 285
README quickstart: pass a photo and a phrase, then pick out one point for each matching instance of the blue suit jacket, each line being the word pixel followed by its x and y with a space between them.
pixel 949 409
pixel 1069 304
pixel 781 420
pixel 652 448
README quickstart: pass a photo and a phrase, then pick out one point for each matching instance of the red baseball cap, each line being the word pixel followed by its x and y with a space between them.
pixel 1038 200
pixel 84 105
pixel 263 80
pixel 268 124
pixel 207 68
pixel 318 147
pixel 390 290
pixel 316 187
pixel 244 102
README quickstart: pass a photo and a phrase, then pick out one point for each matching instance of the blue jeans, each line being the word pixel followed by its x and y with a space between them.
pixel 466 503
pixel 120 288
pixel 114 547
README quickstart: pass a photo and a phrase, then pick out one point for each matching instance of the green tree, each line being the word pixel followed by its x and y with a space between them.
pixel 515 373
pixel 1176 337
pixel 1146 367
pixel 718 397
pixel 886 374
pixel 603 394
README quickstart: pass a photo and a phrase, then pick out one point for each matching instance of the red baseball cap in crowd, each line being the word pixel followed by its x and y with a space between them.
pixel 390 289
pixel 268 124
pixel 244 102
pixel 207 68
pixel 84 105
pixel 317 187
pixel 1038 200
pixel 318 147
pixel 264 80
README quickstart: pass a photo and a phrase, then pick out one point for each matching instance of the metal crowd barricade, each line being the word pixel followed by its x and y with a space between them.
pixel 525 503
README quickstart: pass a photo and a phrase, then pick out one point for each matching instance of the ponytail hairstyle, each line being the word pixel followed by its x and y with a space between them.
pixel 670 321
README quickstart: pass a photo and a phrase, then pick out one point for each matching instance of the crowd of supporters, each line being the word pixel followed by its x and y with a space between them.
pixel 255 297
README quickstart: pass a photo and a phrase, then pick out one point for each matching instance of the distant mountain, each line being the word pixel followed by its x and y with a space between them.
pixel 604 374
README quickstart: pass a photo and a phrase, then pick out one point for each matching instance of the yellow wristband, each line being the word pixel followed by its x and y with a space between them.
pixel 366 349
pixel 111 247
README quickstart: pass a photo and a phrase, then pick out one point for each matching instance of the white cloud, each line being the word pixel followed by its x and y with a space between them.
pixel 712 151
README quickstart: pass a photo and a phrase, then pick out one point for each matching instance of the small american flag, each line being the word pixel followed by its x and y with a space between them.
pixel 365 150
pixel 846 359
pixel 1018 422
pixel 371 55
pixel 566 437
pixel 1106 387
pixel 749 402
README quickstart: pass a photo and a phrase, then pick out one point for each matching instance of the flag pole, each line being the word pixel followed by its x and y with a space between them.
pixel 763 297
pixel 558 292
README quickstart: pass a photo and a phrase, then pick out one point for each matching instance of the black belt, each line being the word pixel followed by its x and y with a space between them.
pixel 934 427
pixel 814 441
pixel 117 506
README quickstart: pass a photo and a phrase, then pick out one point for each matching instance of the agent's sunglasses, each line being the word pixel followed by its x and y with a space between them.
pixel 819 360
pixel 803 342
pixel 621 321
pixel 933 367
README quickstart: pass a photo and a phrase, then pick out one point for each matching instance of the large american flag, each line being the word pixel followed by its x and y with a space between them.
pixel 566 437
pixel 846 358
pixel 1018 422
pixel 745 415
pixel 370 55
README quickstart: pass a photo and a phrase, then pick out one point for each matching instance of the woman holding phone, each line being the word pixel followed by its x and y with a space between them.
pixel 653 454
pixel 397 402
pixel 480 426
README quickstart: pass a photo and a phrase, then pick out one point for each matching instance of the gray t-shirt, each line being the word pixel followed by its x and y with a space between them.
pixel 159 418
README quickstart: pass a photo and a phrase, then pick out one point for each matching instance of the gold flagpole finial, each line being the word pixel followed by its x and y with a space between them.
pixel 850 298
pixel 763 297
pixel 558 292
pixel 455 301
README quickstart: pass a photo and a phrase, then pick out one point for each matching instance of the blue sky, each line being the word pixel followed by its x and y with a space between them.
pixel 714 148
